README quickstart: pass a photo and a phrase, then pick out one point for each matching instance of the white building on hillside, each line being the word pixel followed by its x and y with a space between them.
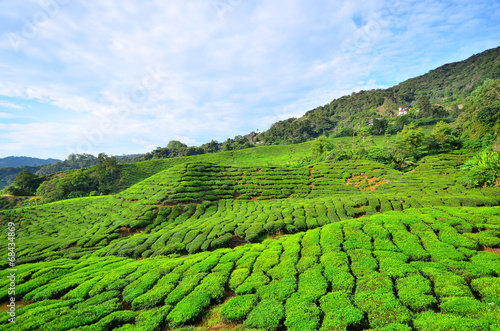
pixel 403 111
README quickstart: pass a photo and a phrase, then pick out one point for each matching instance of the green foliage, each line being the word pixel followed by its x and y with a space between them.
pixel 483 169
pixel 379 126
pixel 301 313
pixel 411 138
pixel 481 117
pixel 190 307
pixel 267 315
pixel 339 312
pixel 414 291
pixel 447 85
pixel 25 183
pixel 424 105
pixel 273 293
pixel 237 309
pixel 73 161
pixel 431 321
pixel 328 245
pixel 101 179
pixel 489 288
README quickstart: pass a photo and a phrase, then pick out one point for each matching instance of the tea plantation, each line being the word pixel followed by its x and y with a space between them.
pixel 232 241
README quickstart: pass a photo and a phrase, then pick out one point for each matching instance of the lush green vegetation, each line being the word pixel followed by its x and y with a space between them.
pixel 381 248
pixel 8 174
pixel 442 92
pixel 196 207
pixel 393 227
pixel 421 266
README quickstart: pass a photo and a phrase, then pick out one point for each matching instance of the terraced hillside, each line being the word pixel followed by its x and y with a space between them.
pixel 332 246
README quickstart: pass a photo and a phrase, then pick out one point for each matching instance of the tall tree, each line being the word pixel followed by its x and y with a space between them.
pixel 379 126
pixel 387 108
pixel 175 144
pixel 424 104
pixel 26 182
pixel 411 138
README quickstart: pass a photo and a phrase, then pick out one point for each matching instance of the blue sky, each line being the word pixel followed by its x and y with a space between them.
pixel 126 76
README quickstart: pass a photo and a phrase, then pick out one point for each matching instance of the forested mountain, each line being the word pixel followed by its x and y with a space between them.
pixel 19 161
pixel 464 90
pixel 74 161
pixel 446 87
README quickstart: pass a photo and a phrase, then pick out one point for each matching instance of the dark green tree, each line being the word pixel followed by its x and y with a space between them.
pixel 211 147
pixel 321 145
pixel 175 144
pixel 424 104
pixel 379 126
pixel 411 138
pixel 442 132
pixel 26 183
pixel 401 121
pixel 489 114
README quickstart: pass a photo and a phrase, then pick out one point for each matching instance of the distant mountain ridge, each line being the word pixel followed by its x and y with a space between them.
pixel 19 161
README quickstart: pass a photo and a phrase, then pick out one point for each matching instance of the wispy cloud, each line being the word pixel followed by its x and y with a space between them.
pixel 224 67
pixel 6 104
pixel 7 115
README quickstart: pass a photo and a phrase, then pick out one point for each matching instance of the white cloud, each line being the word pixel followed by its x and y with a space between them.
pixel 221 75
pixel 7 115
pixel 6 104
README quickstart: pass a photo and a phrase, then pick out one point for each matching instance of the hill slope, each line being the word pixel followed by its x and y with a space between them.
pixel 447 85
pixel 333 245
pixel 421 267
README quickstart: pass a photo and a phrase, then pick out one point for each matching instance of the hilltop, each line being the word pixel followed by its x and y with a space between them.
pixel 446 87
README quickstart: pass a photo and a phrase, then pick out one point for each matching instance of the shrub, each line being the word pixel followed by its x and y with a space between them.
pixel 222 241
pixel 483 169
pixel 312 284
pixel 430 321
pixel 464 306
pixel 414 291
pixel 362 262
pixel 375 296
pixel 188 308
pixel 252 283
pixel 278 289
pixel 267 315
pixel 488 288
pixel 339 312
pixel 301 313
pixel 237 308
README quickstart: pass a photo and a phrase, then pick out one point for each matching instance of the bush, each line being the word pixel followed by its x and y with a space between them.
pixel 415 292
pixel 339 312
pixel 489 288
pixel 189 308
pixel 237 309
pixel 301 313
pixel 222 241
pixel 267 315
pixel 483 169
pixel 431 321
pixel 278 289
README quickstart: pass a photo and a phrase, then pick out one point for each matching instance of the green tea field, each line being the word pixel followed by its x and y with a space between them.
pixel 197 244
